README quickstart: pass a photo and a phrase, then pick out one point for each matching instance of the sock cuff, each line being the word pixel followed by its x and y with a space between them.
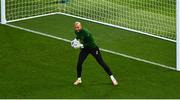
pixel 112 77
pixel 79 78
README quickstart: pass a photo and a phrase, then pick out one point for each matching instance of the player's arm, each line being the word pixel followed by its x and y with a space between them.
pixel 78 37
pixel 85 37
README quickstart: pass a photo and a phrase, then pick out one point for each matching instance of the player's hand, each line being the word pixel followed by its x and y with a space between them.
pixel 81 46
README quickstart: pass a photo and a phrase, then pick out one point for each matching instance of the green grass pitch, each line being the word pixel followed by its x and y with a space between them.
pixel 34 66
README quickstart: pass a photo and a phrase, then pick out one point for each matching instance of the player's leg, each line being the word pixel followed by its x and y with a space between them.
pixel 97 54
pixel 82 56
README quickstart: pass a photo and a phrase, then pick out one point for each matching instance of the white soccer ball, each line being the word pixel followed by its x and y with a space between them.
pixel 75 44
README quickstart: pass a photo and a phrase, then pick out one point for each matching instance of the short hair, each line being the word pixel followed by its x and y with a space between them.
pixel 76 23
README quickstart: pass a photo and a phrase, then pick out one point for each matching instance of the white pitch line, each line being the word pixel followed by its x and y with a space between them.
pixel 105 50
pixel 40 33
pixel 138 59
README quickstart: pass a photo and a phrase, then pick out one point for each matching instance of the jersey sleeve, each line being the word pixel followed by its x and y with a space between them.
pixel 77 36
pixel 86 35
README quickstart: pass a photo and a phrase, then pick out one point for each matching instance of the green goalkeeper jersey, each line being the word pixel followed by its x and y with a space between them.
pixel 86 38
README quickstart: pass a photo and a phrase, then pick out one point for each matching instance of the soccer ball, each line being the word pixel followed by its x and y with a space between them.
pixel 75 44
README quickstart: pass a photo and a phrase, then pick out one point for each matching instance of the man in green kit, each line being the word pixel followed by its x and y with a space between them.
pixel 88 46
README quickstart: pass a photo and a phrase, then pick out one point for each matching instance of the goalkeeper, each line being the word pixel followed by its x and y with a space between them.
pixel 88 46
